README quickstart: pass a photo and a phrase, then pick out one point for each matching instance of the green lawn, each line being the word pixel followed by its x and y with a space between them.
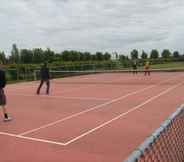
pixel 168 65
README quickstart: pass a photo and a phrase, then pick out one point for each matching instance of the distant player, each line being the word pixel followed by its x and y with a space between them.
pixel 2 94
pixel 44 73
pixel 134 67
pixel 147 68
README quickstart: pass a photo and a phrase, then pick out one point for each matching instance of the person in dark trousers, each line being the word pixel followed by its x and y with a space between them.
pixel 2 94
pixel 44 73
pixel 134 66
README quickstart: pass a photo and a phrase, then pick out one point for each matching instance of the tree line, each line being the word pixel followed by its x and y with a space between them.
pixel 154 54
pixel 38 55
pixel 154 57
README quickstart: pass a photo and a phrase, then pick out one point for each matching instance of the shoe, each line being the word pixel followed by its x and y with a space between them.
pixel 7 119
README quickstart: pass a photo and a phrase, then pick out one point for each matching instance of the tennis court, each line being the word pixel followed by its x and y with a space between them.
pixel 99 117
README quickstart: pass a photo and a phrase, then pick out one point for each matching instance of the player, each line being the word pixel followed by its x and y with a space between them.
pixel 134 66
pixel 44 72
pixel 147 68
pixel 2 94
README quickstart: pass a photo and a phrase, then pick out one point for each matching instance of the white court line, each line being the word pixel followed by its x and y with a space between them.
pixel 93 108
pixel 96 128
pixel 85 111
pixel 35 85
pixel 32 139
pixel 123 114
pixel 52 96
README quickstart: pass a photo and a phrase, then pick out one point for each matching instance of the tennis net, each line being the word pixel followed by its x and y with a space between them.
pixel 166 144
pixel 113 76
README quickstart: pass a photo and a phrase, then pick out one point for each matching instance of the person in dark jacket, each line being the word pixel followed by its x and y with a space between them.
pixel 2 94
pixel 44 73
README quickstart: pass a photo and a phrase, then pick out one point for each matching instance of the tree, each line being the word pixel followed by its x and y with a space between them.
pixel 107 56
pixel 38 55
pixel 57 57
pixel 144 55
pixel 166 53
pixel 93 57
pixel 65 56
pixel 154 54
pixel 15 58
pixel 124 61
pixel 49 55
pixel 26 56
pixel 176 54
pixel 134 54
pixel 122 57
pixel 3 58
pixel 86 56
pixel 70 56
pixel 99 56
pixel 75 56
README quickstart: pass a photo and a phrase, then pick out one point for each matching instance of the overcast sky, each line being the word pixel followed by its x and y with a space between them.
pixel 92 25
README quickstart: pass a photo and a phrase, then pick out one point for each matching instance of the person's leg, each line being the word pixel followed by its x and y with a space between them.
pixel 149 72
pixel 48 86
pixel 133 72
pixel 38 90
pixel 145 72
pixel 6 116
pixel 3 105
pixel 5 112
pixel 136 70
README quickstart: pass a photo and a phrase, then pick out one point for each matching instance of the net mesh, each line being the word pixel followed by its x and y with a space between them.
pixel 166 144
pixel 114 76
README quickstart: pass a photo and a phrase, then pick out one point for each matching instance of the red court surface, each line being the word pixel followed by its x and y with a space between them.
pixel 93 118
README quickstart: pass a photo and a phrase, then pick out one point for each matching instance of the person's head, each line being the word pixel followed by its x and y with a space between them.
pixel 147 63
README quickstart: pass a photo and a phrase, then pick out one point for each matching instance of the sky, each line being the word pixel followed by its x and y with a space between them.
pixel 92 25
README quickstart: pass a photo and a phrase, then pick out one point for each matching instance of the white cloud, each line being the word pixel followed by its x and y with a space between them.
pixel 98 25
